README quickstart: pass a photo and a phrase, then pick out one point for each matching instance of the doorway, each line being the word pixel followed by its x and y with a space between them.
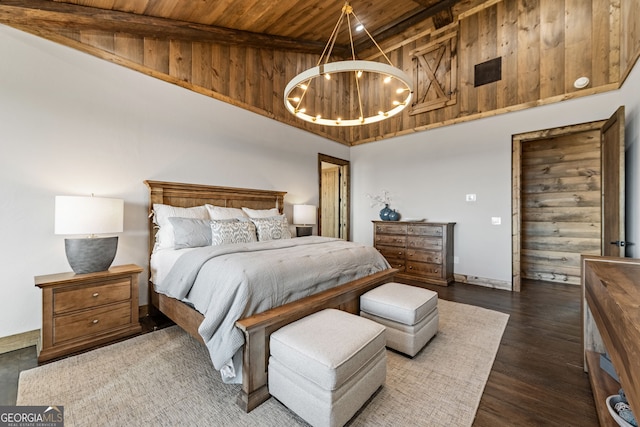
pixel 333 178
pixel 565 182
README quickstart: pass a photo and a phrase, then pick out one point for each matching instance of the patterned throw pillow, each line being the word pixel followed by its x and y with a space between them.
pixel 274 228
pixel 233 231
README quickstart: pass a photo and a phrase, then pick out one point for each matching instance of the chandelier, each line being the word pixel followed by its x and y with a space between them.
pixel 331 93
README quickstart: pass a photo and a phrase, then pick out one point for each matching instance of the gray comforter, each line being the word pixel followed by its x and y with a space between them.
pixel 228 282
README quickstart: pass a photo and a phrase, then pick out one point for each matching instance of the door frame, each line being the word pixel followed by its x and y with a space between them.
pixel 345 196
pixel 516 181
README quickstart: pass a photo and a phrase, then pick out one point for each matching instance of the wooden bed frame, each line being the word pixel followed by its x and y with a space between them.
pixel 258 328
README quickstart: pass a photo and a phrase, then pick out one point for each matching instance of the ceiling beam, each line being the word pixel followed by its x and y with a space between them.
pixel 54 15
pixel 432 9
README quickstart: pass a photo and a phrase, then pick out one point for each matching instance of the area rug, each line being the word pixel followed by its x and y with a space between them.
pixel 165 378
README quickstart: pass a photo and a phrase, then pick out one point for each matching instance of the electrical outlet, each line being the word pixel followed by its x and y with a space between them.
pixel 456 260
pixel 470 198
pixel 496 220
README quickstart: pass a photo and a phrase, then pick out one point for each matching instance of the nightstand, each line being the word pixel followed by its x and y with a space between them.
pixel 81 311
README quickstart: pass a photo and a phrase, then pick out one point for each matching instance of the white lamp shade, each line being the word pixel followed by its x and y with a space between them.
pixel 88 215
pixel 304 214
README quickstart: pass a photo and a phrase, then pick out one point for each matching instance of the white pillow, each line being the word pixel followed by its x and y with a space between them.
pixel 261 213
pixel 230 231
pixel 218 212
pixel 161 214
pixel 273 228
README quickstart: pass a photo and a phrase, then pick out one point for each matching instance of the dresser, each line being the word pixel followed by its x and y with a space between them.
pixel 80 311
pixel 611 289
pixel 421 251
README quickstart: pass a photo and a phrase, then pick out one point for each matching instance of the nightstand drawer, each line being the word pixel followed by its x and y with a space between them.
pixel 91 322
pixel 70 299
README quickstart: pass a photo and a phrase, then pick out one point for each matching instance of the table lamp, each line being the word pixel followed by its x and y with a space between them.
pixel 89 216
pixel 304 217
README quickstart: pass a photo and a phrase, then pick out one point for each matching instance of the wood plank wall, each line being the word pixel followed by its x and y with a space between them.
pixel 544 44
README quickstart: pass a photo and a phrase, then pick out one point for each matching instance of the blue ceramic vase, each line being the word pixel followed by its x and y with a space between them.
pixel 393 215
pixel 384 213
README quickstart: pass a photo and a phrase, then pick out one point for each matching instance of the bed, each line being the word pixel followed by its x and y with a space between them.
pixel 255 329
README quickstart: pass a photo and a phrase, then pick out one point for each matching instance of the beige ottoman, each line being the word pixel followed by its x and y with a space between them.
pixel 409 313
pixel 325 366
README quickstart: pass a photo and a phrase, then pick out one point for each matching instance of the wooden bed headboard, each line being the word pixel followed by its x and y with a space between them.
pixel 190 195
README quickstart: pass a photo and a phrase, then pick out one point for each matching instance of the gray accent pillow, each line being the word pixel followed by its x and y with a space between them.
pixel 273 228
pixel 191 232
pixel 232 231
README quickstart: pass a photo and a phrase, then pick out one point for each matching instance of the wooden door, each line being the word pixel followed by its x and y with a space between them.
pixel 561 211
pixel 330 209
pixel 334 197
pixel 558 218
pixel 613 187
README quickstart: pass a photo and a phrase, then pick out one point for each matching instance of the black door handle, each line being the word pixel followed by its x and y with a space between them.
pixel 618 243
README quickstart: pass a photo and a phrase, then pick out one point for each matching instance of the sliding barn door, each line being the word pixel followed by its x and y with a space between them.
pixel 613 198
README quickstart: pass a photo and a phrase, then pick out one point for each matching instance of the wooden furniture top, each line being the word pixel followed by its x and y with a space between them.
pixel 71 277
pixel 612 291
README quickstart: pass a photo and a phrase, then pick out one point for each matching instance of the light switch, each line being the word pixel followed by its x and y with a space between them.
pixel 496 220
pixel 470 198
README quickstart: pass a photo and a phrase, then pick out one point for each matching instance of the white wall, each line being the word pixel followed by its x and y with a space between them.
pixel 429 173
pixel 72 124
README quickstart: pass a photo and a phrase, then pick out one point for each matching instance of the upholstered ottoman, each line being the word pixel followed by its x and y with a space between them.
pixel 325 366
pixel 409 313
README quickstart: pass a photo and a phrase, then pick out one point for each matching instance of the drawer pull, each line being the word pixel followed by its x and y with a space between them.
pixel 95 295
pixel 399 253
pixel 95 321
pixel 410 267
pixel 399 240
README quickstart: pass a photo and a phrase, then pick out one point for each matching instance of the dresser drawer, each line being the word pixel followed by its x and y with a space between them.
pixel 428 243
pixel 91 322
pixel 391 228
pixel 424 256
pixel 391 240
pixel 390 252
pixel 424 230
pixel 75 298
pixel 424 269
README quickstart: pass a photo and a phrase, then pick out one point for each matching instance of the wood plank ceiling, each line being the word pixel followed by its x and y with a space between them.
pixel 283 24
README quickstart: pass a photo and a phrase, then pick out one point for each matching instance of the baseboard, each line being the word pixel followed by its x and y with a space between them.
pixel 482 281
pixel 18 341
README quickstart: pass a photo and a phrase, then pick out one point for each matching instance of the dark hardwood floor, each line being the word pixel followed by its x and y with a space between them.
pixel 537 378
